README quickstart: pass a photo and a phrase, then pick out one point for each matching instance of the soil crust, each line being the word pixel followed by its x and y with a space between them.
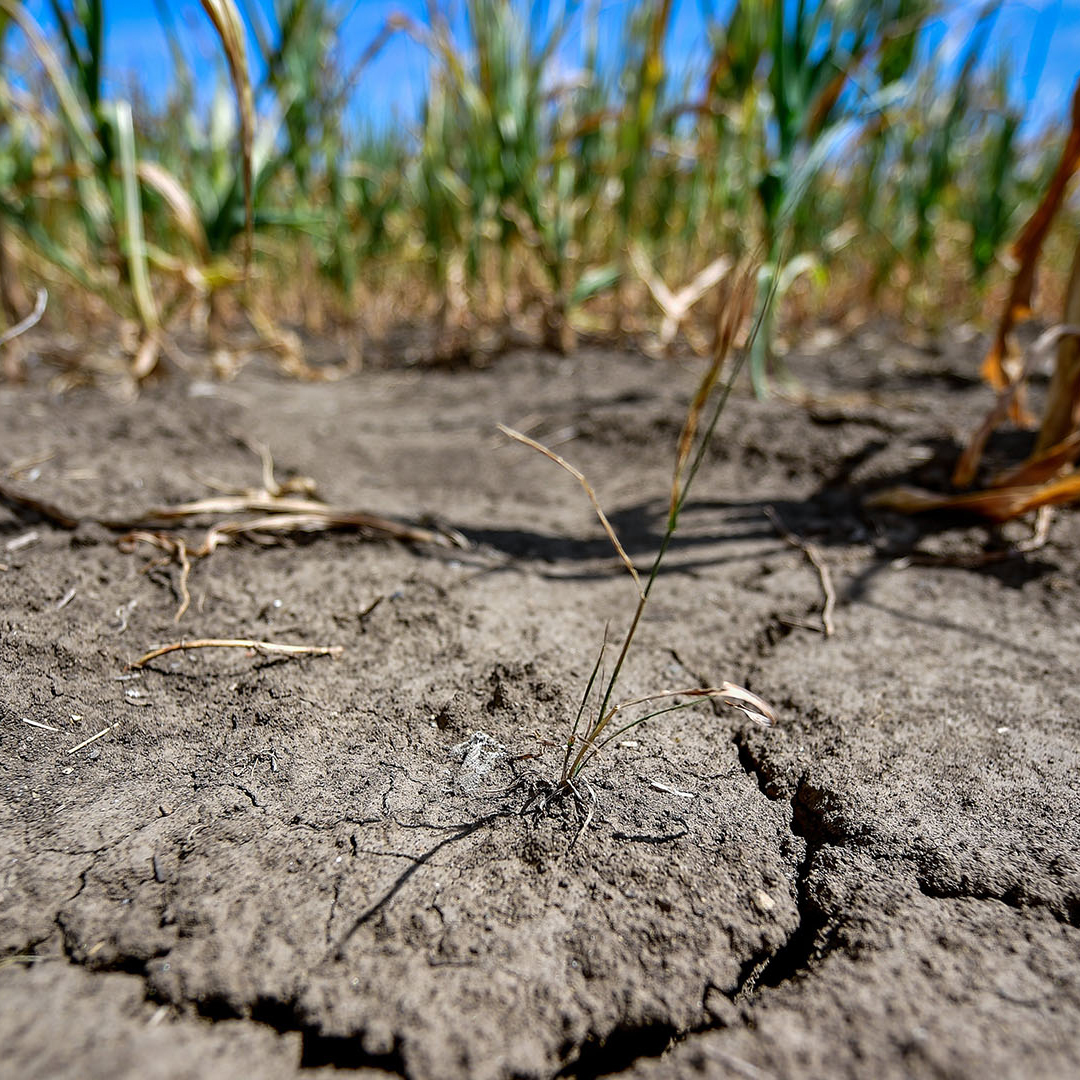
pixel 282 865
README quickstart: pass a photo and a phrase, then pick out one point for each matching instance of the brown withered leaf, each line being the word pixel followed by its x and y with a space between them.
pixel 1026 251
pixel 1062 413
pixel 1042 467
pixel 999 504
pixel 734 310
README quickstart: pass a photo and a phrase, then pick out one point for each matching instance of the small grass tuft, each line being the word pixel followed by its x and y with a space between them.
pixel 601 729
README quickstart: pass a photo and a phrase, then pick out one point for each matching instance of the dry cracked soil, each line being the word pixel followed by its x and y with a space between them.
pixel 285 866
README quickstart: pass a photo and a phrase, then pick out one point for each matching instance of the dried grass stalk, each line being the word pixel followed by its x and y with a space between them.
pixel 238 643
pixel 734 311
pixel 1026 251
pixel 580 477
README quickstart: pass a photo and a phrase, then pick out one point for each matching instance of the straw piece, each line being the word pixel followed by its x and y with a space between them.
pixel 580 477
pixel 814 557
pixel 94 738
pixel 239 643
pixel 39 724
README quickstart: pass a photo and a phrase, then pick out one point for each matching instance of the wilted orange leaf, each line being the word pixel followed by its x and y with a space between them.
pixel 1027 248
pixel 997 505
pixel 1062 413
pixel 1042 467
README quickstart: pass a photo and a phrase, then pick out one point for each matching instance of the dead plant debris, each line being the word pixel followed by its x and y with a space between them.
pixel 1049 476
pixel 238 643
pixel 263 514
pixel 814 557
pixel 93 738
pixel 29 322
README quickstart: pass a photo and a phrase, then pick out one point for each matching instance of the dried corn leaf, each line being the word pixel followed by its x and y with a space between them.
pixel 1062 413
pixel 1042 467
pixel 998 505
pixel 733 314
pixel 676 305
pixel 1007 398
pixel 176 197
pixel 1026 250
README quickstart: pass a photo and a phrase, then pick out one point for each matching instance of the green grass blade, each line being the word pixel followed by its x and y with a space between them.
pixel 135 241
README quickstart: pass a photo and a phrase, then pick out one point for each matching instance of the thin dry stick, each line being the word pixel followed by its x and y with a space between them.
pixel 94 738
pixel 30 321
pixel 580 478
pixel 819 564
pixel 39 724
pixel 185 573
pixel 239 643
pixel 175 550
pixel 1044 517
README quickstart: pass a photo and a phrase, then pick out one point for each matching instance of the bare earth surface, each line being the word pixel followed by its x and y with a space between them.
pixel 273 866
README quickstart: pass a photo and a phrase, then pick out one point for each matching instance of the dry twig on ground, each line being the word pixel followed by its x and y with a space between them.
pixel 815 558
pixel 278 509
pixel 238 643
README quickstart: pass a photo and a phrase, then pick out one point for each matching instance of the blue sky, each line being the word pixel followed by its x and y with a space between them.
pixel 1041 39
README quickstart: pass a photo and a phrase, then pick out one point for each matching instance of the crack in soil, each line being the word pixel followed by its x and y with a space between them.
pixel 1014 898
pixel 771 634
pixel 619 1051
pixel 316 1049
pixel 418 861
pixel 797 957
pixel 810 942
pixel 597 1055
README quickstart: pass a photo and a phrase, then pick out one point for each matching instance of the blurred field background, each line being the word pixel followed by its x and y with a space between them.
pixel 224 178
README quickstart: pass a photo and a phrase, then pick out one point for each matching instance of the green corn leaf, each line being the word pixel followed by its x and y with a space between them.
pixel 135 242
pixel 594 282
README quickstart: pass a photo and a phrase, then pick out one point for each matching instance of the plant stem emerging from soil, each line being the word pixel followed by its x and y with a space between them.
pixel 693 445
pixel 733 312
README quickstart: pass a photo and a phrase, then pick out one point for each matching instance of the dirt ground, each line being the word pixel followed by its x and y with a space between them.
pixel 273 866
